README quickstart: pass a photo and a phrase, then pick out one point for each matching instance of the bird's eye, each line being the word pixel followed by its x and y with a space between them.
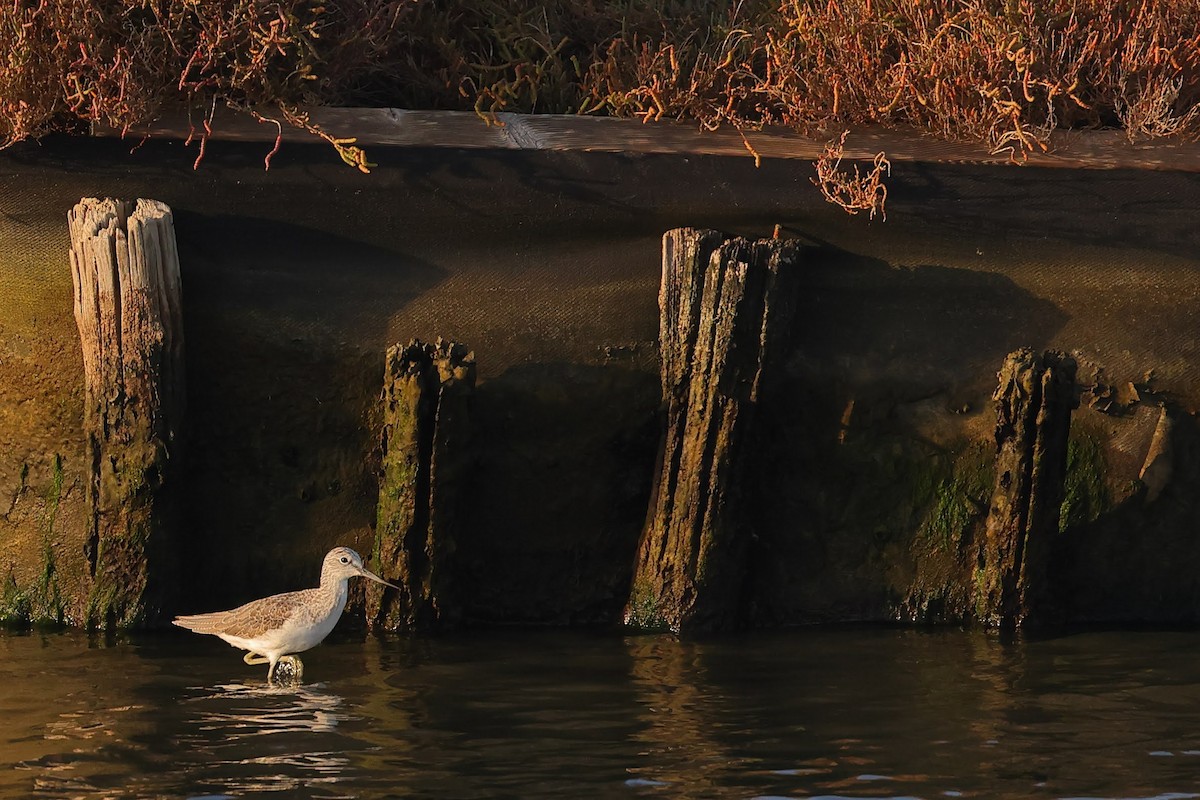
pixel 344 560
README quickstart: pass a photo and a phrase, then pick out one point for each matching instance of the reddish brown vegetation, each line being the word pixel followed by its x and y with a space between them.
pixel 1003 72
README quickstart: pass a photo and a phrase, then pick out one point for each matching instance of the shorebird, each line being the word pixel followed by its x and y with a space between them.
pixel 275 627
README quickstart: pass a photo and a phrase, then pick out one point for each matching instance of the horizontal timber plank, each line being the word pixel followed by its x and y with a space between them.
pixel 1107 149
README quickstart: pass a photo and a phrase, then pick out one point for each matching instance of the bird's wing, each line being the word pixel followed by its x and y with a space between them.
pixel 249 621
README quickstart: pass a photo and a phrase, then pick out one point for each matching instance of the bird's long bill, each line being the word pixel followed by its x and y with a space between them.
pixel 366 573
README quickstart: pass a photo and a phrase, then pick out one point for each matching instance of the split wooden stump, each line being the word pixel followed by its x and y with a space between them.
pixel 726 306
pixel 426 462
pixel 1034 401
pixel 128 301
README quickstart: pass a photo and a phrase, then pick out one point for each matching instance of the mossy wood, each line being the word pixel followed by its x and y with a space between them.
pixel 426 463
pixel 725 306
pixel 1034 401
pixel 128 300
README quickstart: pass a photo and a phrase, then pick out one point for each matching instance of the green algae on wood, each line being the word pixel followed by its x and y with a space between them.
pixel 644 611
pixel 1034 401
pixel 725 306
pixel 426 463
pixel 125 267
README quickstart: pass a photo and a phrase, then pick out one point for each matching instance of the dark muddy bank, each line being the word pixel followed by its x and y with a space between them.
pixel 547 266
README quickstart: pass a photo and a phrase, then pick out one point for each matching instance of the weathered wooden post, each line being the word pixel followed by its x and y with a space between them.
pixel 725 306
pixel 128 301
pixel 1033 421
pixel 426 463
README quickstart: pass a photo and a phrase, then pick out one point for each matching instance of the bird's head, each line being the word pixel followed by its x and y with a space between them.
pixel 342 563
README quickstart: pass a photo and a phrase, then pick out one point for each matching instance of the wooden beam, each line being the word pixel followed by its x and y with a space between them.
pixel 392 127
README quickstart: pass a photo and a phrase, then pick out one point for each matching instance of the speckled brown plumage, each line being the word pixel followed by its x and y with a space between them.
pixel 258 617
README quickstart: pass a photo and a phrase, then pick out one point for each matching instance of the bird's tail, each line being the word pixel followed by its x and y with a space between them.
pixel 200 623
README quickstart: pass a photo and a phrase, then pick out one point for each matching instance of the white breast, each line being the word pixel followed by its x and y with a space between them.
pixel 306 628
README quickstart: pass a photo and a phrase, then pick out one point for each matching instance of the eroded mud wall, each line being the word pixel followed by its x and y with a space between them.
pixel 297 280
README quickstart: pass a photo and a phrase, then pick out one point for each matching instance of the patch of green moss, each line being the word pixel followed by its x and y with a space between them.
pixel 53 492
pixel 979 581
pixel 644 612
pixel 41 602
pixel 108 607
pixel 1085 493
pixel 935 505
pixel 952 493
pixel 400 490
pixel 118 597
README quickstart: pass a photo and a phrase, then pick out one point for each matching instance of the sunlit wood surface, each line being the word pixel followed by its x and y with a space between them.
pixel 1107 149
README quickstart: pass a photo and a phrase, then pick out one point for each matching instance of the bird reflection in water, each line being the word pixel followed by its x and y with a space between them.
pixel 234 722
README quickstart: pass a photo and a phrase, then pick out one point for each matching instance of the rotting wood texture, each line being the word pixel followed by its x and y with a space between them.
pixel 725 307
pixel 1034 401
pixel 128 308
pixel 426 463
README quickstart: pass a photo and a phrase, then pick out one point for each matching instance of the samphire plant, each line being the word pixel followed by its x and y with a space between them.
pixel 1006 73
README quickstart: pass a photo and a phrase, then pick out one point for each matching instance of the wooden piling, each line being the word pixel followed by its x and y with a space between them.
pixel 426 463
pixel 128 308
pixel 725 308
pixel 1034 401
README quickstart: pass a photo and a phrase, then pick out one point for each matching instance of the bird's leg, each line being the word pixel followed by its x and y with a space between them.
pixel 295 667
pixel 289 669
pixel 255 658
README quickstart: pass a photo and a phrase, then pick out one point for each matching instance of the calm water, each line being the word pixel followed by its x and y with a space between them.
pixel 860 713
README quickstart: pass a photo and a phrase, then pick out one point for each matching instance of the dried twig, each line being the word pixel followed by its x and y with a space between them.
pixel 853 191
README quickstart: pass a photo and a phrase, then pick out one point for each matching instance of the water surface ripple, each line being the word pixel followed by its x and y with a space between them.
pixel 868 713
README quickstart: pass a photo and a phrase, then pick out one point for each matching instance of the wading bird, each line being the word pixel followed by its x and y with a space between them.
pixel 275 627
